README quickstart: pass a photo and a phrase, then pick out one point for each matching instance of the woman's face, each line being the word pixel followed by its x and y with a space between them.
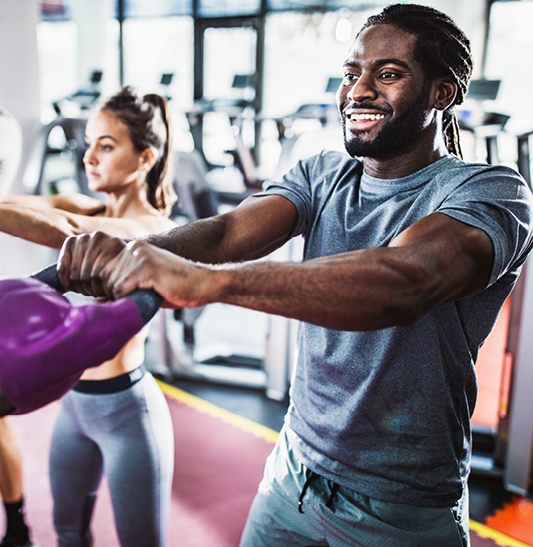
pixel 111 161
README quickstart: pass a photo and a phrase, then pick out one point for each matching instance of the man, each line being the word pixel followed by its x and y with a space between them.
pixel 409 255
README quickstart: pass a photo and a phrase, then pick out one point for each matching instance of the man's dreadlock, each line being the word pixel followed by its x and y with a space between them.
pixel 441 48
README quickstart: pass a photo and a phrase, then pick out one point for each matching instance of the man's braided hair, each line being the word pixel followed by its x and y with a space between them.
pixel 441 48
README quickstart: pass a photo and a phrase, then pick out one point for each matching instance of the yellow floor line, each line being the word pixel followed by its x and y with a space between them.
pixel 270 435
pixel 202 405
pixel 500 539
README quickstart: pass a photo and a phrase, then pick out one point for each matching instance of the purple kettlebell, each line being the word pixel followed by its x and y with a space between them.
pixel 46 342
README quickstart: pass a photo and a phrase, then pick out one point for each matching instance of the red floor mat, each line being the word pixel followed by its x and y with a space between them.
pixel 515 519
pixel 217 469
pixel 34 431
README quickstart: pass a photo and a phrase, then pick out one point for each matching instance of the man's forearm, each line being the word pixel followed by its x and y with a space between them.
pixel 365 291
pixel 199 241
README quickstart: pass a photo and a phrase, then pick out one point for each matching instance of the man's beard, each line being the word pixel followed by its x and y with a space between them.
pixel 393 136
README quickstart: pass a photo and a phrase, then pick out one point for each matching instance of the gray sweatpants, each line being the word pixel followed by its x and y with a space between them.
pixel 128 436
pixel 332 516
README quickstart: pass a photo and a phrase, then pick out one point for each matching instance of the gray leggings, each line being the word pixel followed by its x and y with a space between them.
pixel 127 435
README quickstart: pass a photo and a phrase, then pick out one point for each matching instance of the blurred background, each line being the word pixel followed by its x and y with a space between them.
pixel 262 61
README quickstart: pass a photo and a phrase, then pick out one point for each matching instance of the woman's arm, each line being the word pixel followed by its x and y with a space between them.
pixel 75 203
pixel 50 226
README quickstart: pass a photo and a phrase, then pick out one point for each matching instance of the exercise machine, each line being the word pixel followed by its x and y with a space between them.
pixel 264 362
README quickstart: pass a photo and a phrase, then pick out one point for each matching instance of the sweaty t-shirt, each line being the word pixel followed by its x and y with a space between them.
pixel 387 412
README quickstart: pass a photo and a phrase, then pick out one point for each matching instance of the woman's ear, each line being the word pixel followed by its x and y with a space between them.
pixel 445 93
pixel 148 158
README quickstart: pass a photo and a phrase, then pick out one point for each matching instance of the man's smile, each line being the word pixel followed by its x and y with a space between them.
pixel 357 121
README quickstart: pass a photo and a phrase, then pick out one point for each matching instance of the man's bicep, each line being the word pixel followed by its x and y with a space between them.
pixel 253 229
pixel 457 255
pixel 258 226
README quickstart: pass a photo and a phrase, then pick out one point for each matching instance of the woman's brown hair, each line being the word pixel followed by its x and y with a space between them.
pixel 148 120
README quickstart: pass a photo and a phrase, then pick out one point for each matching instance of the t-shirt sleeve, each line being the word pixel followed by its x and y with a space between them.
pixel 294 186
pixel 308 184
pixel 499 202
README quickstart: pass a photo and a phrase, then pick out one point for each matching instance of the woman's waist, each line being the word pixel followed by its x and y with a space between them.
pixel 111 384
pixel 130 357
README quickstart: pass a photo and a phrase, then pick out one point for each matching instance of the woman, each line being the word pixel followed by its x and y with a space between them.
pixel 11 479
pixel 11 488
pixel 116 420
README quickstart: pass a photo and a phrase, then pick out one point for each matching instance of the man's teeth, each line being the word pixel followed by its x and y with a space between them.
pixel 363 117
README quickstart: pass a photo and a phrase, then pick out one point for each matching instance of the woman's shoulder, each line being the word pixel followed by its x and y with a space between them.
pixel 156 223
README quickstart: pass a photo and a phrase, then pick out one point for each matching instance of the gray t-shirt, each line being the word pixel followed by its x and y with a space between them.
pixel 387 412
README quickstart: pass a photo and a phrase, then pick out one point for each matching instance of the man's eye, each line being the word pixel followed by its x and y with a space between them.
pixel 349 79
pixel 388 75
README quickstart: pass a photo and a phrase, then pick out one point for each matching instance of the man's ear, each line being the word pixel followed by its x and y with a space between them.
pixel 445 93
pixel 148 158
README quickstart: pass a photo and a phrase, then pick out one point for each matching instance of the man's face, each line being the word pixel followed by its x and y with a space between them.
pixel 383 99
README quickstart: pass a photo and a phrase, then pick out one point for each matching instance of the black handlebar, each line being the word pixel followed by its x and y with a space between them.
pixel 49 276
pixel 146 300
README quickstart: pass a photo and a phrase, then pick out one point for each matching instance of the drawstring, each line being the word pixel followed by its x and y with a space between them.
pixel 334 489
pixel 310 476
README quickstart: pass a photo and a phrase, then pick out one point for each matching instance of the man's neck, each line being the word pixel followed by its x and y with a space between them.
pixel 398 167
pixel 429 148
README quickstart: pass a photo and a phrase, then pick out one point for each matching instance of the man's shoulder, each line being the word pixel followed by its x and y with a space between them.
pixel 453 172
pixel 465 168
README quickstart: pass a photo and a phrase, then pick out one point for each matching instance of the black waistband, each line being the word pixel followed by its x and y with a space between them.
pixel 111 385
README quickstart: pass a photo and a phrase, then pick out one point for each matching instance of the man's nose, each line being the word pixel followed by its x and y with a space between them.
pixel 363 89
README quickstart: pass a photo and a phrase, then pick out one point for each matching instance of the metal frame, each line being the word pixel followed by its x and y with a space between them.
pixel 274 375
pixel 256 22
pixel 518 430
pixel 519 450
pixel 74 129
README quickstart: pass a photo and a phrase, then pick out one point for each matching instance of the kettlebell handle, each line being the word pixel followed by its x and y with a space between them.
pixel 146 300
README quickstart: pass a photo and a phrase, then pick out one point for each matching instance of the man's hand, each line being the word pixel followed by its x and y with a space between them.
pixel 180 282
pixel 86 261
pixel 101 265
